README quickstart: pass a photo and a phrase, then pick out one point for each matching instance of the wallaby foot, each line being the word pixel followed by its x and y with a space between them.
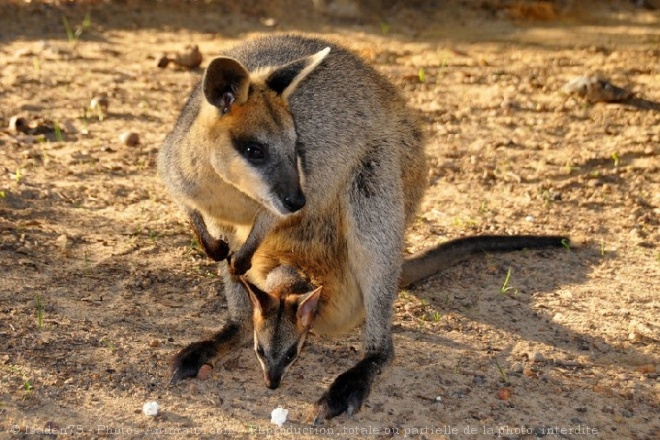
pixel 349 391
pixel 188 361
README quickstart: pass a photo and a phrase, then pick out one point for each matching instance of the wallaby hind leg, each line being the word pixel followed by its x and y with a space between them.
pixel 236 332
pixel 375 228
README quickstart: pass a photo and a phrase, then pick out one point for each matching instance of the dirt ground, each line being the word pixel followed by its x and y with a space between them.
pixel 101 282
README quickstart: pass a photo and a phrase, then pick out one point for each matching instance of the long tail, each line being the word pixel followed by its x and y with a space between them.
pixel 431 261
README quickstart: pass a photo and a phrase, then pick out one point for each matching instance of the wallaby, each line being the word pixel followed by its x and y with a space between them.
pixel 307 161
pixel 290 302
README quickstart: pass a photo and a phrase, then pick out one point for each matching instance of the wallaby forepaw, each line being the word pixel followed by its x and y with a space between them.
pixel 217 250
pixel 346 395
pixel 189 361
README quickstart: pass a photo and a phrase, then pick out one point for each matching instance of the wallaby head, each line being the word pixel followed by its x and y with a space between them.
pixel 281 323
pixel 250 133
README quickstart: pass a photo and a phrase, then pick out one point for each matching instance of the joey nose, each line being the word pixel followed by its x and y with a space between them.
pixel 272 383
pixel 295 202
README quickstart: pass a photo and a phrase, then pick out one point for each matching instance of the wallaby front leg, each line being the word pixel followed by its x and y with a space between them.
pixel 237 332
pixel 241 261
pixel 214 248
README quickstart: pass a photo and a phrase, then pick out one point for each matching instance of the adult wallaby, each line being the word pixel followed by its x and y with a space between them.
pixel 307 161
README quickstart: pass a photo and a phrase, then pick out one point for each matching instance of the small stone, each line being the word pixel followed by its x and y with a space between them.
pixel 530 218
pixel 190 58
pixel 63 242
pixel 516 368
pixel 154 343
pixel 504 394
pixel 536 357
pixel 204 372
pixel 18 124
pixel 646 369
pixel 100 104
pixel 129 138
pixel 269 22
pixel 150 409
pixel 162 61
pixel 278 416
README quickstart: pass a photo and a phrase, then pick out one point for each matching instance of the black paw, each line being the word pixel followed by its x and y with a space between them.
pixel 217 250
pixel 189 360
pixel 239 263
pixel 346 394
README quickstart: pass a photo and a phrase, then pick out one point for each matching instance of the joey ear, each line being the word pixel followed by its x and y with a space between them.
pixel 225 81
pixel 307 305
pixel 261 301
pixel 284 79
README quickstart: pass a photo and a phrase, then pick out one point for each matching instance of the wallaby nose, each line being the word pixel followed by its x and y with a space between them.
pixel 295 202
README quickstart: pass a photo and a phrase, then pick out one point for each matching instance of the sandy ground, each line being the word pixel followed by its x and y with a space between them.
pixel 101 282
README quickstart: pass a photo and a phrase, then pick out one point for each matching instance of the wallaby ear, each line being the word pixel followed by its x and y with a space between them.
pixel 307 307
pixel 226 81
pixel 284 80
pixel 261 301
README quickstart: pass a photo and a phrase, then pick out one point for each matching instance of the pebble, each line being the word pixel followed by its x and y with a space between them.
pixel 129 138
pixel 204 372
pixel 517 368
pixel 99 103
pixel 154 343
pixel 63 242
pixel 190 58
pixel 150 409
pixel 278 416
pixel 536 357
pixel 18 124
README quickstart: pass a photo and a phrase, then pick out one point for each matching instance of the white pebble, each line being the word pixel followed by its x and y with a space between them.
pixel 150 409
pixel 278 416
pixel 530 218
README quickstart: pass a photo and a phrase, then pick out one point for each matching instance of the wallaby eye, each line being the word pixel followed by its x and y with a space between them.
pixel 255 153
pixel 260 351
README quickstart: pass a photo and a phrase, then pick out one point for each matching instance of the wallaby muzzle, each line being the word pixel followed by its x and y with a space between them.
pixel 290 195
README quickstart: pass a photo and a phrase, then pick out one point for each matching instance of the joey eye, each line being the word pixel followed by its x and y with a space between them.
pixel 254 153
pixel 291 355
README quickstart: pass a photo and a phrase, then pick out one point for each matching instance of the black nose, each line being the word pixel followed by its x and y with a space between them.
pixel 273 384
pixel 295 202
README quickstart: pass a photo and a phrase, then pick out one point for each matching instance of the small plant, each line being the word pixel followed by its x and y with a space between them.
pixel 566 244
pixel 421 74
pixel 505 287
pixel 153 235
pixel 74 35
pixel 109 345
pixel 436 316
pixel 602 247
pixel 19 175
pixel 503 375
pixel 3 194
pixel 27 386
pixel 40 311
pixel 58 133
pixel 384 28
pixel 615 158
